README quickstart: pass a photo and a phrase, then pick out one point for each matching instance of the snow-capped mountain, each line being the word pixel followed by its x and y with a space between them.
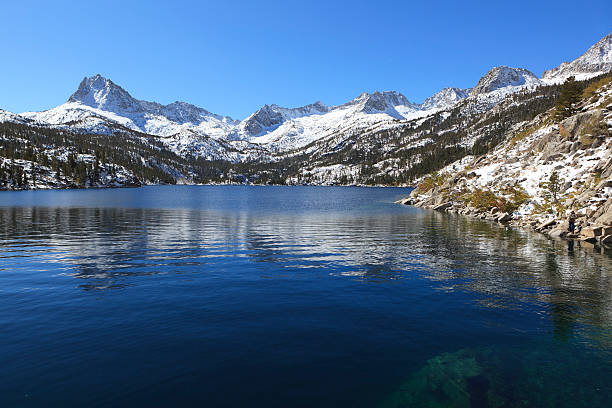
pixel 99 105
pixel 103 94
pixel 391 103
pixel 378 137
pixel 595 61
pixel 282 129
pixel 445 98
pixel 505 77
pixel 6 116
pixel 269 117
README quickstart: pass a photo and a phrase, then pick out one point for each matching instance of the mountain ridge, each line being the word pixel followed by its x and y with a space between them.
pixel 595 61
pixel 314 142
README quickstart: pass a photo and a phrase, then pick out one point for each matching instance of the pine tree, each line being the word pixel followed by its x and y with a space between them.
pixel 552 188
pixel 570 96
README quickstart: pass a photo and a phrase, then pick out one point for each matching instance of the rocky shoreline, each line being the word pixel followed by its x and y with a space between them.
pixel 546 170
pixel 596 229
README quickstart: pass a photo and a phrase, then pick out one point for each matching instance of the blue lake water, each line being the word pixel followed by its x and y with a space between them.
pixel 227 296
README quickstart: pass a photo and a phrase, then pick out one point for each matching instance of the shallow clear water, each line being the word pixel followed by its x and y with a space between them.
pixel 291 297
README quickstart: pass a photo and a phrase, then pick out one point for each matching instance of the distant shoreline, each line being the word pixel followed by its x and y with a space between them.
pixel 206 184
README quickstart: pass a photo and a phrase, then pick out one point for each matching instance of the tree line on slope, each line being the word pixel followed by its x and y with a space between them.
pixel 397 155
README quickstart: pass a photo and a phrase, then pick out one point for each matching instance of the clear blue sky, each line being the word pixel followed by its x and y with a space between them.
pixel 231 57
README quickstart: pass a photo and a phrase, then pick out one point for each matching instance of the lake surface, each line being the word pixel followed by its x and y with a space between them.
pixel 228 296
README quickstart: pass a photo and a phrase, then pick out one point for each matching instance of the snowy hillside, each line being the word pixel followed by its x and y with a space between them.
pixel 270 117
pixel 6 116
pixel 101 106
pixel 505 78
pixel 541 172
pixel 289 130
pixel 99 103
pixel 378 137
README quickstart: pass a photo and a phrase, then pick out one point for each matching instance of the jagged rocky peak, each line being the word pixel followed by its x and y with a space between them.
pixel 596 60
pixel 102 93
pixel 312 109
pixel 265 117
pixel 379 101
pixel 502 77
pixel 445 98
pixel 270 116
pixel 183 112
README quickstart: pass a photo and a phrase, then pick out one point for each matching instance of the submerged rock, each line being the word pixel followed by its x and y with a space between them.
pixel 442 382
pixel 532 375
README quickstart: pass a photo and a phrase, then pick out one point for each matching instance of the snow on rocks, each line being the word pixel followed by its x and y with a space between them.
pixel 595 61
pixel 578 151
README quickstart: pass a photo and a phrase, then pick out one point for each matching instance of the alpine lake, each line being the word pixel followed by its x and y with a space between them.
pixel 252 296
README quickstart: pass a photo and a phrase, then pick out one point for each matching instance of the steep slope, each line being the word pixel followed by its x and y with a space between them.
pixel 595 61
pixel 541 172
pixel 404 150
pixel 43 157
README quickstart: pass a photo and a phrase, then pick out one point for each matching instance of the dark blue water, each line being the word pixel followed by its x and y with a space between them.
pixel 291 297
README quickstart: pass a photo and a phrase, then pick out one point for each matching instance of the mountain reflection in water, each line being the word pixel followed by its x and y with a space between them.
pixel 332 300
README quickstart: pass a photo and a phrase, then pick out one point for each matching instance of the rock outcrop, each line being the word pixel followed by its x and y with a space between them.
pixel 539 175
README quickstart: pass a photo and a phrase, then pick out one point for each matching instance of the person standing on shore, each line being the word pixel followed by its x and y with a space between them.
pixel 571 222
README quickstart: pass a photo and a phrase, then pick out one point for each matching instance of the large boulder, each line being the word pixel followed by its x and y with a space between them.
pixel 443 206
pixel 605 167
pixel 504 218
pixel 427 202
pixel 591 232
pixel 545 225
pixel 558 232
pixel 439 199
pixel 405 201
pixel 575 124
pixel 603 216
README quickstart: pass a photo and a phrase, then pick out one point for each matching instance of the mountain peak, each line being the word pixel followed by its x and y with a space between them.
pixel 378 101
pixel 102 93
pixel 271 116
pixel 445 98
pixel 502 77
pixel 596 60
